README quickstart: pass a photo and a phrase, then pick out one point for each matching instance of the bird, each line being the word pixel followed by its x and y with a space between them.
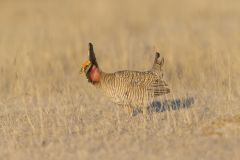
pixel 129 89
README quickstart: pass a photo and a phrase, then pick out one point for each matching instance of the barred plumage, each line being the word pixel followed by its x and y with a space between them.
pixel 131 89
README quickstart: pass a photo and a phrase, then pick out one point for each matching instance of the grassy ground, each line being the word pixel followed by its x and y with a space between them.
pixel 49 111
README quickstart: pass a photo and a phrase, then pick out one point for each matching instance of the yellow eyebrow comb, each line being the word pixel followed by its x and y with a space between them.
pixel 83 66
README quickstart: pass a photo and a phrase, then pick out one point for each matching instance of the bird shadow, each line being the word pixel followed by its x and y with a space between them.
pixel 168 105
pixel 172 104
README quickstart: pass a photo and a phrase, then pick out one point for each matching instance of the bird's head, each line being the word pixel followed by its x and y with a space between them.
pixel 90 67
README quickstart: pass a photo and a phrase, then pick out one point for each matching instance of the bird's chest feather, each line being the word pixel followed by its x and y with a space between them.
pixel 117 92
pixel 124 94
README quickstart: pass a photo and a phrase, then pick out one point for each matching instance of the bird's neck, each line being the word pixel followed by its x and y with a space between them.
pixel 96 76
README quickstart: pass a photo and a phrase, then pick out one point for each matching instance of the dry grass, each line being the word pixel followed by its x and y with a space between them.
pixel 49 111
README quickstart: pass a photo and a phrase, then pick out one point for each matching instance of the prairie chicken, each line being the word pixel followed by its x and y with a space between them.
pixel 129 89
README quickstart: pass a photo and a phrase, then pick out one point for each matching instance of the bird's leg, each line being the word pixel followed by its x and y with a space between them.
pixel 128 110
pixel 145 111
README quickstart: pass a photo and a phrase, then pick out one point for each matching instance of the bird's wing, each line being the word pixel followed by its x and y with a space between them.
pixel 148 80
pixel 135 78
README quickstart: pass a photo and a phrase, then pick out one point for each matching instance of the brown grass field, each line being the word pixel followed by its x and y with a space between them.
pixel 49 111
